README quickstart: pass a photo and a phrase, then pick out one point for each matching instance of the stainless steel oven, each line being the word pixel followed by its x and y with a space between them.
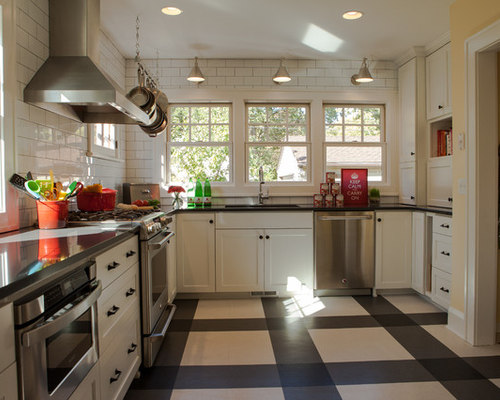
pixel 156 311
pixel 56 336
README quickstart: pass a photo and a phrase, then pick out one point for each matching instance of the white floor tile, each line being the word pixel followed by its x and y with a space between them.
pixel 458 345
pixel 338 306
pixel 358 344
pixel 234 308
pixel 228 348
pixel 386 391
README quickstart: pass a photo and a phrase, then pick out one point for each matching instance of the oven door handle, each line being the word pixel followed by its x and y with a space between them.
pixel 162 242
pixel 49 328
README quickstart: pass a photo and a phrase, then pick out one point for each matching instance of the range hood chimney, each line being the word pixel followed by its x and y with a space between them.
pixel 70 82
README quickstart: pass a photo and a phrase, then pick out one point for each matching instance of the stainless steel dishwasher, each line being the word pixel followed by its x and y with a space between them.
pixel 344 250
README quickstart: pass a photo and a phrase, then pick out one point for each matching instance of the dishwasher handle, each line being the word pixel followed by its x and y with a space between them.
pixel 346 218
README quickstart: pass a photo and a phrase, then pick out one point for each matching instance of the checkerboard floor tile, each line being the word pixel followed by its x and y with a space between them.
pixel 316 348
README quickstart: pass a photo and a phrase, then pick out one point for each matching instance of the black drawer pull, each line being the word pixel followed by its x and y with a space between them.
pixel 445 226
pixel 444 290
pixel 379 219
pixel 113 265
pixel 445 253
pixel 113 310
pixel 130 253
pixel 267 236
pixel 412 197
pixel 412 153
pixel 211 221
pixel 132 348
pixel 440 107
pixel 450 199
pixel 261 237
pixel 116 377
pixel 130 292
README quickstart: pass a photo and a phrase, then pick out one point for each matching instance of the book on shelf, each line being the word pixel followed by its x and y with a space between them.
pixel 444 143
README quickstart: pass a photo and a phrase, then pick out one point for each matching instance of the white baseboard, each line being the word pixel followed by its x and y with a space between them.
pixel 456 322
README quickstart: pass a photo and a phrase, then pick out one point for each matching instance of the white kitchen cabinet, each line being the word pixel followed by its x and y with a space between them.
pixel 413 148
pixel 407 185
pixel 418 259
pixel 8 383
pixel 439 182
pixel 393 245
pixel 289 262
pixel 89 389
pixel 438 83
pixel 441 260
pixel 239 260
pixel 196 252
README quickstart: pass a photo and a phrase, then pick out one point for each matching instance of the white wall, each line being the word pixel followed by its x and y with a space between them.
pixel 237 81
pixel 45 140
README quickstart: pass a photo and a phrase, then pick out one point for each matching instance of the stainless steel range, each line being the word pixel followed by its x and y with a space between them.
pixel 154 237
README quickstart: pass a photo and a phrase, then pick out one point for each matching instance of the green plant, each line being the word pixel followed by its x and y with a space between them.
pixel 374 193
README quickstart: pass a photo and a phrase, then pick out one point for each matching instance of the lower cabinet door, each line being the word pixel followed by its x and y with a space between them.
pixel 8 383
pixel 441 286
pixel 418 252
pixel 239 260
pixel 289 260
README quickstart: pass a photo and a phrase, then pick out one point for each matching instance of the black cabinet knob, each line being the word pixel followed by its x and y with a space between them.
pixel 450 199
pixel 211 221
pixel 130 253
pixel 412 153
pixel 113 265
pixel 112 311
pixel 412 197
pixel 132 348
pixel 261 237
pixel 379 219
pixel 116 377
pixel 130 292
pixel 440 107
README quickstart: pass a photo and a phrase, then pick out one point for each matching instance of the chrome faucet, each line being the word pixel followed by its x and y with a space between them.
pixel 262 196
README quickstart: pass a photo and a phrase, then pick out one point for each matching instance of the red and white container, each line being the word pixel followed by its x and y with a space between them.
pixel 335 188
pixel 318 200
pixel 339 200
pixel 329 201
pixel 324 188
pixel 330 177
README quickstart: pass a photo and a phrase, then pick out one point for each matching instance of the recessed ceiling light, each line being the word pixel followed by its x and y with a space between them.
pixel 352 15
pixel 171 10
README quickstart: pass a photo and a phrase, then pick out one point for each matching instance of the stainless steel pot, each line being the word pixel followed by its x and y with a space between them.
pixel 141 96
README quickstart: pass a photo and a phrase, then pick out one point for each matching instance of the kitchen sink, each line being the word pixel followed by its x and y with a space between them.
pixel 261 206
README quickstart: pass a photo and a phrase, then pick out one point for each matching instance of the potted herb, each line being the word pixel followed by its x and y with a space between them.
pixel 374 196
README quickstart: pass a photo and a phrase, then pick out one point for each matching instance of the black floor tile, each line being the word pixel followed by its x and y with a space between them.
pixel 481 389
pixel 180 325
pixel 439 318
pixel 311 393
pixel 489 367
pixel 155 378
pixel 394 320
pixel 301 375
pixel 233 324
pixel 231 376
pixel 451 369
pixel 357 321
pixel 368 372
pixel 376 305
pixel 294 346
pixel 172 349
pixel 419 343
pixel 185 309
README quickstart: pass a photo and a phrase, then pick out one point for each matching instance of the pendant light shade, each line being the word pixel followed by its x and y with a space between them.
pixel 282 75
pixel 363 76
pixel 195 75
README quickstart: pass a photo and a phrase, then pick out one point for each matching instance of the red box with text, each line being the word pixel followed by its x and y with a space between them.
pixel 355 186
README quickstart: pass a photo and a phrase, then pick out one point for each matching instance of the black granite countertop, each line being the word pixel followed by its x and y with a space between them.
pixel 305 207
pixel 31 258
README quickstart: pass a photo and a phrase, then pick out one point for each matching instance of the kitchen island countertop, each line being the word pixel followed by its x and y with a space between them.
pixel 31 258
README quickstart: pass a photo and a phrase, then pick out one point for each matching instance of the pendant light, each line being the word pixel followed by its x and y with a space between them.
pixel 282 75
pixel 363 76
pixel 195 75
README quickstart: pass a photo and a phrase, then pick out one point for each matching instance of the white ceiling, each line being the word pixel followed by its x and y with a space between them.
pixel 312 29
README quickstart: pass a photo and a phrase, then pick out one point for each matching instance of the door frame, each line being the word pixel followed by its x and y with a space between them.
pixel 481 98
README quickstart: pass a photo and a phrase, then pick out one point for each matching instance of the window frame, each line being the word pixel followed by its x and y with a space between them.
pixel 9 202
pixel 307 143
pixel 382 144
pixel 229 144
pixel 97 151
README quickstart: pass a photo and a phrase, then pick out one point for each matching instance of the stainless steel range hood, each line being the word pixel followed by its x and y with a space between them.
pixel 70 82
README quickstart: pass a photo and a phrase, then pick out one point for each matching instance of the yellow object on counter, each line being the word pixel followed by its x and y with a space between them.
pixel 96 188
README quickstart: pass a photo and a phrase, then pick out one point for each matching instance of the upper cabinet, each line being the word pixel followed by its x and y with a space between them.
pixel 438 83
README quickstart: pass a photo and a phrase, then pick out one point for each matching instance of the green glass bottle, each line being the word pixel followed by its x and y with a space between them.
pixel 207 194
pixel 190 194
pixel 198 194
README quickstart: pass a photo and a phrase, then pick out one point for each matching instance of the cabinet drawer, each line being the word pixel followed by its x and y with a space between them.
pixel 8 353
pixel 8 383
pixel 441 286
pixel 111 264
pixel 121 360
pixel 441 225
pixel 264 220
pixel 441 252
pixel 114 304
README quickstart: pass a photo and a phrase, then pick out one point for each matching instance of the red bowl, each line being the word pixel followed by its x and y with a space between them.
pixel 88 201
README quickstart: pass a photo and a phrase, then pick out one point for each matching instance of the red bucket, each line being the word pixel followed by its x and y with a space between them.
pixel 52 214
